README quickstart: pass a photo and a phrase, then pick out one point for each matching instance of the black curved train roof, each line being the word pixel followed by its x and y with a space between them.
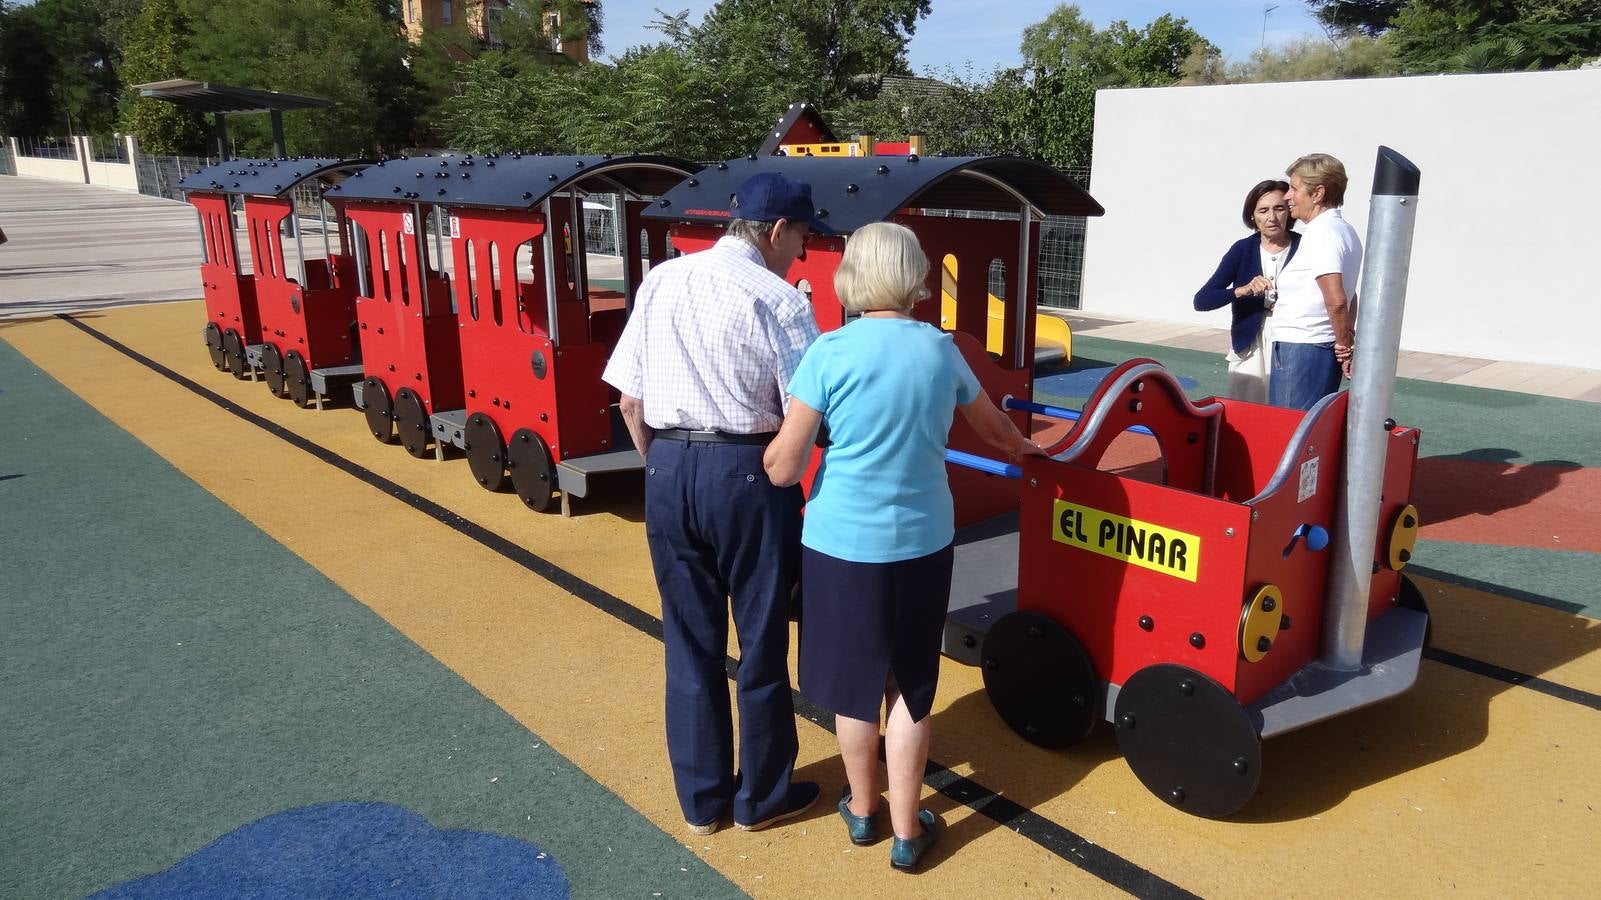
pixel 508 181
pixel 849 192
pixel 267 177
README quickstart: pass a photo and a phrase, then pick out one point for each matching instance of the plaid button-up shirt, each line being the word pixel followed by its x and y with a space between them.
pixel 713 341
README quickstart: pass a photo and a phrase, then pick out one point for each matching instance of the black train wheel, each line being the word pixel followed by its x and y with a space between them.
pixel 486 452
pixel 214 347
pixel 1188 740
pixel 272 366
pixel 297 377
pixel 533 476
pixel 233 348
pixel 411 422
pixel 379 411
pixel 1040 680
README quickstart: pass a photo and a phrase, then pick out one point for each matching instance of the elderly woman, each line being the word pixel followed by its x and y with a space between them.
pixel 876 545
pixel 1314 321
pixel 1245 280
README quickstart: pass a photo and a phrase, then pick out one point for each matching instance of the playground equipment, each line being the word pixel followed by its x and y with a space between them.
pixel 297 312
pixel 850 192
pixel 507 362
pixel 1053 339
pixel 1209 611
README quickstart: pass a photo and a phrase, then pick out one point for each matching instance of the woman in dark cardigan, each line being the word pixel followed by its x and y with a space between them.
pixel 1245 281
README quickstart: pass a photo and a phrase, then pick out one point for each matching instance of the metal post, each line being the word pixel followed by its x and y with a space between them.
pixel 300 247
pixel 278 133
pixel 327 251
pixel 550 274
pixel 419 255
pixel 1023 355
pixel 1382 295
pixel 579 259
pixel 220 126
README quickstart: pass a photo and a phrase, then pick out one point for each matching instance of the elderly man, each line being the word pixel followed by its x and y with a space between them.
pixel 702 367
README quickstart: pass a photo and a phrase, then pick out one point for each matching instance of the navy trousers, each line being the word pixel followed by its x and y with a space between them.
pixel 720 532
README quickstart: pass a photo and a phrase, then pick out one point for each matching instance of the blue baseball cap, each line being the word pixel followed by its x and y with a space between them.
pixel 770 196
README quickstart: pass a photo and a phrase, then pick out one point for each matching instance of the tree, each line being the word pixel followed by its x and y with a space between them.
pixel 83 39
pixel 1119 55
pixel 341 50
pixel 1311 59
pixel 1060 40
pixel 1441 35
pixel 27 103
pixel 155 47
pixel 1369 17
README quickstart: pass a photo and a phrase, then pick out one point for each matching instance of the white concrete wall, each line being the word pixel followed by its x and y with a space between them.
pixel 54 169
pixel 1509 213
pixel 122 176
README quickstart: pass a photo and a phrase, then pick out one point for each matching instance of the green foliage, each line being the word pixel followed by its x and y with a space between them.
pixel 340 50
pixel 1368 17
pixel 154 50
pixel 27 105
pixel 1318 60
pixel 1117 56
pixel 1465 35
pixel 82 39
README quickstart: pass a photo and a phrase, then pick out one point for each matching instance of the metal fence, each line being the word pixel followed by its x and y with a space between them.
pixel 47 148
pixel 112 149
pixel 159 175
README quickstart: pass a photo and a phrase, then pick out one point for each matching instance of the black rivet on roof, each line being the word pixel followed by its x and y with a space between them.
pixel 912 157
pixel 528 195
pixel 358 174
pixel 694 182
pixel 444 162
pixel 780 152
pixel 490 163
pixel 751 157
pixel 277 187
pixel 468 156
pixel 551 176
pixel 578 164
pixel 822 214
pixel 236 184
pixel 397 188
pixel 466 175
pixel 275 165
pixel 883 170
pixel 441 192
pixel 516 154
pixel 722 167
pixel 851 188
pixel 606 156
pixel 663 202
pixel 380 164
pixel 419 174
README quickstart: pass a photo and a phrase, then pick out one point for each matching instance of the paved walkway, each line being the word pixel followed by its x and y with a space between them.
pixel 76 247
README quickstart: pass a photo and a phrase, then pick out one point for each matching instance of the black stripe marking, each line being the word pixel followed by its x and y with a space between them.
pixel 1514 677
pixel 1058 840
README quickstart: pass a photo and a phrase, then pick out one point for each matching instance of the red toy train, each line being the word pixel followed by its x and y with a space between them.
pixel 1200 613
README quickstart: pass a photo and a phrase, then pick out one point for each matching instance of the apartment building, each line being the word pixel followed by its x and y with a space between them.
pixel 481 18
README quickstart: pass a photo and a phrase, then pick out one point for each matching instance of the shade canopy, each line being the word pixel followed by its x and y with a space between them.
pixel 267 177
pixel 850 192
pixel 512 181
pixel 210 97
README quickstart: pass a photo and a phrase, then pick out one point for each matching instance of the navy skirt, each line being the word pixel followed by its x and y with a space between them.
pixel 865 623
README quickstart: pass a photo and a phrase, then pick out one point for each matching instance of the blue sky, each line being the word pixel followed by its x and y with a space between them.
pixel 985 33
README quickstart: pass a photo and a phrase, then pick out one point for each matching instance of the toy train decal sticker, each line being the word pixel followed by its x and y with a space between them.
pixel 1148 546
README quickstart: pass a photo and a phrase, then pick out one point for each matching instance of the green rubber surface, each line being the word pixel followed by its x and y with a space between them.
pixel 231 681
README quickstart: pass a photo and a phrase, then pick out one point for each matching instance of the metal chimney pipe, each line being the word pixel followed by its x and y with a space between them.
pixel 1381 300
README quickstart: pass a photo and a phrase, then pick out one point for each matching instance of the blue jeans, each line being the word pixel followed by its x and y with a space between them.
pixel 719 532
pixel 1302 374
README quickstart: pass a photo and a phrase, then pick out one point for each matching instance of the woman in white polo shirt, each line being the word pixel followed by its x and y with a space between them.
pixel 1314 321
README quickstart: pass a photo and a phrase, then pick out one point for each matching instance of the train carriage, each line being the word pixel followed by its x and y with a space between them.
pixel 502 356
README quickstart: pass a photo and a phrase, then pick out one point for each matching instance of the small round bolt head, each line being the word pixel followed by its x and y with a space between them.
pixel 1147 623
pixel 1126 720
pixel 1264 644
pixel 1240 766
pixel 1197 640
pixel 1176 795
pixel 1187 688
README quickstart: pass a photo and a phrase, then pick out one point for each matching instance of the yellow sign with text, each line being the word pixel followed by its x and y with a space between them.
pixel 1145 545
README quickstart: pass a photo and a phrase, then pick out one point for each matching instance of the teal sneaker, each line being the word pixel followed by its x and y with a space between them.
pixel 905 854
pixel 860 828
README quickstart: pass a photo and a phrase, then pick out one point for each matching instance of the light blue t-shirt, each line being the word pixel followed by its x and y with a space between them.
pixel 887 389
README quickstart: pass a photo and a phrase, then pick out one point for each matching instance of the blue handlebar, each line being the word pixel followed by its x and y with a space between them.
pixel 1059 412
pixel 983 464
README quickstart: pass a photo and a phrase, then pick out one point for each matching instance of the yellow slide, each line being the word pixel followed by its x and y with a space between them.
pixel 1053 340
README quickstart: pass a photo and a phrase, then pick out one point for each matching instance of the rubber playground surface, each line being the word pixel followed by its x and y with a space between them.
pixel 245 647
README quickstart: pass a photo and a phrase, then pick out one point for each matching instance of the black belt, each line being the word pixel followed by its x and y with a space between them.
pixel 714 437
